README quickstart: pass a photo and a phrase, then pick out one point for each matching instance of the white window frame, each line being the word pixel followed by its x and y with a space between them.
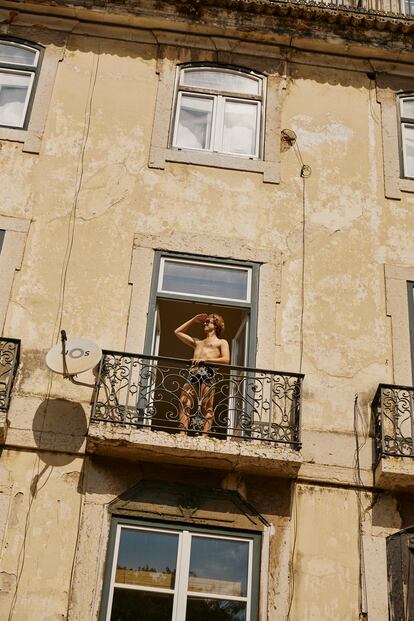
pixel 217 265
pixel 16 68
pixel 220 98
pixel 405 122
pixel 180 591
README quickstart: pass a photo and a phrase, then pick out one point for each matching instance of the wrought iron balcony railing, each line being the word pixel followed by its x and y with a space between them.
pixel 220 401
pixel 400 8
pixel 393 410
pixel 9 361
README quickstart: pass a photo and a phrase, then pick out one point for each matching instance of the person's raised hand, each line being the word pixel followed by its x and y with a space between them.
pixel 200 318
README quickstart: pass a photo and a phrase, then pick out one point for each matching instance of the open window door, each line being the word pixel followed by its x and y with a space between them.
pixel 156 335
pixel 237 392
pixel 148 375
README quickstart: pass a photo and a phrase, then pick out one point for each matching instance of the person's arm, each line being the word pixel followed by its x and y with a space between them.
pixel 224 353
pixel 186 338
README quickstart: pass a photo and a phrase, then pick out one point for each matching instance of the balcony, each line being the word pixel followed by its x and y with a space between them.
pixel 157 408
pixel 393 410
pixel 9 362
pixel 400 8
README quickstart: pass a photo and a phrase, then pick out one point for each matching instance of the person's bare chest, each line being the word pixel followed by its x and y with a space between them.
pixel 207 350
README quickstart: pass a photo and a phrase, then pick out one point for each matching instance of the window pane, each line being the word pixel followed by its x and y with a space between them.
pixel 14 89
pixel 407 108
pixel 2 232
pixel 130 605
pixel 239 131
pixel 205 280
pixel 147 558
pixel 219 566
pixel 408 137
pixel 194 123
pixel 220 81
pixel 409 7
pixel 214 610
pixel 17 55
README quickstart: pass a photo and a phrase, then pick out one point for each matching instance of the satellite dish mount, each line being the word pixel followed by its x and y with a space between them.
pixel 70 357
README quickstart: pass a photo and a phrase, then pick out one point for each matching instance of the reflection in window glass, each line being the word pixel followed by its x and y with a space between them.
pixel 194 122
pixel 17 54
pixel 408 138
pixel 220 81
pixel 131 605
pixel 407 108
pixel 239 132
pixel 199 609
pixel 147 558
pixel 14 91
pixel 218 566
pixel 213 582
pixel 205 280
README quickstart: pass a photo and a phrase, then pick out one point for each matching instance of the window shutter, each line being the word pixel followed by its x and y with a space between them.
pixel 400 566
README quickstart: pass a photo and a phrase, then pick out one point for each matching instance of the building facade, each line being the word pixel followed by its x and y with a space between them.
pixel 159 161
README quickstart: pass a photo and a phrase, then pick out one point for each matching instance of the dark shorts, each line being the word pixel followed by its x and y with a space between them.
pixel 201 375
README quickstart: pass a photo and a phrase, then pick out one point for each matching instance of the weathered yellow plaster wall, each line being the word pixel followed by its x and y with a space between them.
pixel 91 180
pixel 39 522
pixel 326 555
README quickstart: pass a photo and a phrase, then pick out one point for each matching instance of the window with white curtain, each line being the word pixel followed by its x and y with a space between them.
pixel 19 63
pixel 219 110
pixel 407 134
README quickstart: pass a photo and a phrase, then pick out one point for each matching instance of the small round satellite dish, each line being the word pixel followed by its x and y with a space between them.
pixel 81 355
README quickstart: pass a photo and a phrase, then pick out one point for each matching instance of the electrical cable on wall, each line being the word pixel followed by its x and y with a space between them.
pixel 34 489
pixel 359 484
pixel 289 139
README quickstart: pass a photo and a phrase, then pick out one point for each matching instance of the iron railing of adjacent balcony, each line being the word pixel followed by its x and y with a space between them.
pixel 9 361
pixel 228 402
pixel 393 410
pixel 400 8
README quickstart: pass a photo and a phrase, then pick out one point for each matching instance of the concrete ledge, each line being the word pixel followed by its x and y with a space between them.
pixel 395 472
pixel 253 457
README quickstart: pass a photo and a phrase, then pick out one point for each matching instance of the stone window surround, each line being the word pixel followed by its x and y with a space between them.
pixel 52 45
pixel 10 259
pixel 91 553
pixel 396 278
pixel 388 89
pixel 141 273
pixel 170 57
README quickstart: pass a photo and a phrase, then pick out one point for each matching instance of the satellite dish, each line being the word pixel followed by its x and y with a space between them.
pixel 80 355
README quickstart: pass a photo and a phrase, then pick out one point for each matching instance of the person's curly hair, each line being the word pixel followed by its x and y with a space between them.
pixel 218 323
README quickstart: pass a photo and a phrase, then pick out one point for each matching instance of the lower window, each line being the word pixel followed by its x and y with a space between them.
pixel 178 574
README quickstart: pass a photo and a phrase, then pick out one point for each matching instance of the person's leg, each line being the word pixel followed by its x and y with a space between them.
pixel 207 405
pixel 184 408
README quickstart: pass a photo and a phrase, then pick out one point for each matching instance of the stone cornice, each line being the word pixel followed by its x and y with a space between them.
pixel 272 21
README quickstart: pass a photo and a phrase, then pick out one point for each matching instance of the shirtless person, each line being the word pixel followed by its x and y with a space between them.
pixel 213 350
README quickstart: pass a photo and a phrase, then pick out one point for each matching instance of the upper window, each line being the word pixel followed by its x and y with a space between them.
pixel 218 110
pixel 407 134
pixel 18 65
pixel 409 7
pixel 177 574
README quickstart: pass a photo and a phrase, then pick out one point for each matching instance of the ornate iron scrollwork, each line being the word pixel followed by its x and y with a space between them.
pixel 9 361
pixel 221 401
pixel 393 410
